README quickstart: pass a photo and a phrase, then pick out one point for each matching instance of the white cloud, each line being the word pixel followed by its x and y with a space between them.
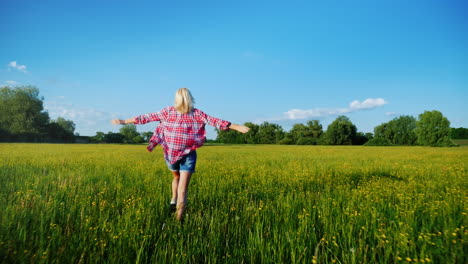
pixel 15 65
pixel 295 114
pixel 391 113
pixel 70 111
pixel 11 82
pixel 367 104
pixel 87 120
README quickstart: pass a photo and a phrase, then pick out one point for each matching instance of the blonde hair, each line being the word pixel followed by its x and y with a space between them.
pixel 184 101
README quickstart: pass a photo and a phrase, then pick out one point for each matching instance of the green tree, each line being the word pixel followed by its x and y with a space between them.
pixel 146 136
pixel 251 137
pixel 269 133
pixel 100 137
pixel 459 133
pixel 433 129
pixel 114 138
pixel 22 114
pixel 340 132
pixel 405 127
pixel 60 130
pixel 138 139
pixel 399 131
pixel 229 137
pixel 129 133
pixel 306 134
pixel 316 129
pixel 287 139
pixel 67 125
pixel 361 138
pixel 297 132
pixel 384 131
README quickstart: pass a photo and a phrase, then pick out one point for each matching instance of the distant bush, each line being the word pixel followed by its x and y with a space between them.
pixel 459 133
pixel 378 142
pixel 286 141
pixel 306 141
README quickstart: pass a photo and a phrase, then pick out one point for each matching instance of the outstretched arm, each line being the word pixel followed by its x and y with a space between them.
pixel 240 128
pixel 221 124
pixel 143 119
pixel 123 122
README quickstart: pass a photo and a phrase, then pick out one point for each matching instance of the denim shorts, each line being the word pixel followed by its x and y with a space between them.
pixel 186 163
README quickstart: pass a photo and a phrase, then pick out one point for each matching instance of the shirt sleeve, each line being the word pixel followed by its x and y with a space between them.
pixel 213 121
pixel 151 117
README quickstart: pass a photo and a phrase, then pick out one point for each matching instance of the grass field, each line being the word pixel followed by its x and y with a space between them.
pixel 247 204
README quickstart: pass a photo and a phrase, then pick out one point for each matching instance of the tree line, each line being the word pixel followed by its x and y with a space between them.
pixel 23 119
pixel 127 134
pixel 430 129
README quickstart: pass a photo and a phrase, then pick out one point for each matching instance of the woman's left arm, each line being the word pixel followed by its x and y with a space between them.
pixel 239 128
pixel 122 121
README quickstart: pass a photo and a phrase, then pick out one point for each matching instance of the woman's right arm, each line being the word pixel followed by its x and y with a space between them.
pixel 142 119
pixel 123 122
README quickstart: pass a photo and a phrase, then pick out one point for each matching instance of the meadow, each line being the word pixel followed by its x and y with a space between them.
pixel 246 204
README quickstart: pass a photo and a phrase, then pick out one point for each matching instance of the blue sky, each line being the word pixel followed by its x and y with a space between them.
pixel 283 62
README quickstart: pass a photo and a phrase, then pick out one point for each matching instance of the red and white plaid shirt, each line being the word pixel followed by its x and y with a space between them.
pixel 178 133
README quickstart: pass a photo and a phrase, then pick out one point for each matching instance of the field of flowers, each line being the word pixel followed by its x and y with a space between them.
pixel 246 204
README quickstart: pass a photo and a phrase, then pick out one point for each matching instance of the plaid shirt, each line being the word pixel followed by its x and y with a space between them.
pixel 178 133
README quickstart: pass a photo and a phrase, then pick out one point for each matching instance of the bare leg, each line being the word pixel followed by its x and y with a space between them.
pixel 175 184
pixel 182 194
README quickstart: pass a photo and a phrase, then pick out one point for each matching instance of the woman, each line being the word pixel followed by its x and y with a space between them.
pixel 180 133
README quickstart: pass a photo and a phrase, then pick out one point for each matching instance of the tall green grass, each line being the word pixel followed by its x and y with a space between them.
pixel 247 204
